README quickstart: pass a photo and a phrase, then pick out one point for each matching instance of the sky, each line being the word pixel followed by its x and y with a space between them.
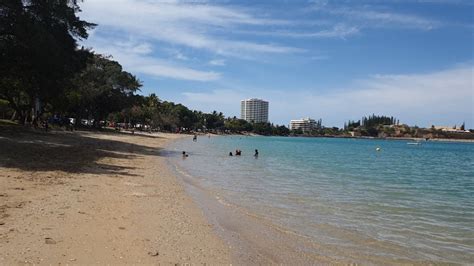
pixel 334 60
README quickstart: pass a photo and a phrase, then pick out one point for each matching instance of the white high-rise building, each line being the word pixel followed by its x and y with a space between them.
pixel 305 124
pixel 254 110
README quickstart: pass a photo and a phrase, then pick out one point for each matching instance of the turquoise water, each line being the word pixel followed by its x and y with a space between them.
pixel 414 201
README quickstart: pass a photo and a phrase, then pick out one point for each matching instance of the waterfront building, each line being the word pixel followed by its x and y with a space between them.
pixel 254 110
pixel 450 129
pixel 304 124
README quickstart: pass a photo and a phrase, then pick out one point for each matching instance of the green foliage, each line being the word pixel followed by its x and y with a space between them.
pixel 297 131
pixel 372 125
pixel 38 50
pixel 5 110
pixel 280 131
pixel 351 125
pixel 238 125
pixel 373 132
pixel 262 129
pixel 42 66
pixel 374 121
pixel 101 88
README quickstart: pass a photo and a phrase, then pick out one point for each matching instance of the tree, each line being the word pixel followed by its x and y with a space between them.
pixel 100 89
pixel 214 120
pixel 280 130
pixel 351 125
pixel 262 128
pixel 237 125
pixel 39 51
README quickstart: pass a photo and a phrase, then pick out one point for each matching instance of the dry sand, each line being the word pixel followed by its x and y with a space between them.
pixel 88 197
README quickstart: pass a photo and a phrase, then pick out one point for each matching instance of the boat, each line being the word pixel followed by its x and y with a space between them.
pixel 414 143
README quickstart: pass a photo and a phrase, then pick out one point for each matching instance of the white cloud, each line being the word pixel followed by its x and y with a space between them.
pixel 182 23
pixel 339 30
pixel 180 56
pixel 224 97
pixel 226 101
pixel 441 97
pixel 388 18
pixel 370 17
pixel 160 70
pixel 217 62
pixel 175 53
pixel 136 57
pixel 135 48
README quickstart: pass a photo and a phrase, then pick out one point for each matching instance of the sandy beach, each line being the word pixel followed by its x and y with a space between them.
pixel 97 197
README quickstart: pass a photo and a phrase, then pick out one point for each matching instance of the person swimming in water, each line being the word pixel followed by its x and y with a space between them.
pixel 184 154
pixel 238 152
pixel 230 154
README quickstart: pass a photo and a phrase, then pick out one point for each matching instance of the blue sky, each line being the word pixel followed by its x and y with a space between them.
pixel 335 60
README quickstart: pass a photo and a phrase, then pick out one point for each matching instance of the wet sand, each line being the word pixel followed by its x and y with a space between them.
pixel 256 239
pixel 113 198
pixel 89 197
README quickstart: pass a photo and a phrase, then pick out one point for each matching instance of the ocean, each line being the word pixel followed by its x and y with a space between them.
pixel 415 201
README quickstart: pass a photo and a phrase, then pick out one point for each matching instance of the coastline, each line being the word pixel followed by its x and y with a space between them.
pixel 256 239
pixel 251 238
pixel 389 138
pixel 107 197
pixel 355 137
pixel 97 197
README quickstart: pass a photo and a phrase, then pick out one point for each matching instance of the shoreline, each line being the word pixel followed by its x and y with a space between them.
pixel 256 239
pixel 365 138
pixel 252 239
pixel 97 197
pixel 101 197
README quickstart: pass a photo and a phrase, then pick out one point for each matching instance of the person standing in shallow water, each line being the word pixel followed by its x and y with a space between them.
pixel 195 138
pixel 256 153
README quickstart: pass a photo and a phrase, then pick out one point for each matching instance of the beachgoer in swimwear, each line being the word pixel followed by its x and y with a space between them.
pixel 256 153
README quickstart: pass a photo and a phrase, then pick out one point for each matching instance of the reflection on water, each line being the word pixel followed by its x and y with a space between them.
pixel 419 199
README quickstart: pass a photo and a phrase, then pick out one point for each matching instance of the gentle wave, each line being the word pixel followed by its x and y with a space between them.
pixel 343 192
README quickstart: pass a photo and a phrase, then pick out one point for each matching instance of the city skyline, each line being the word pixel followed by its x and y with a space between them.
pixel 334 60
